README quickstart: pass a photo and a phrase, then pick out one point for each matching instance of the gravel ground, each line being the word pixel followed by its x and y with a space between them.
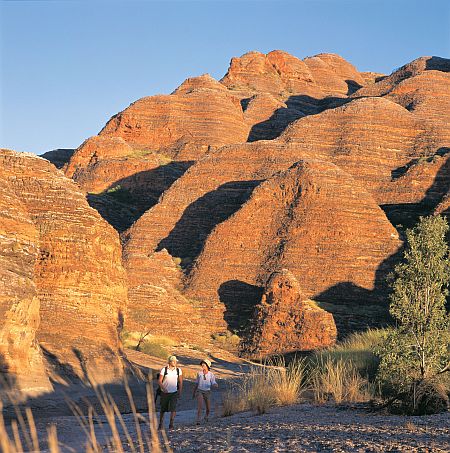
pixel 315 428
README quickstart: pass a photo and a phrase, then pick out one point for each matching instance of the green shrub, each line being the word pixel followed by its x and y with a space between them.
pixel 416 352
pixel 120 193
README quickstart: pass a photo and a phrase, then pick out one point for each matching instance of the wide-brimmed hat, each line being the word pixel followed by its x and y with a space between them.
pixel 207 363
pixel 172 358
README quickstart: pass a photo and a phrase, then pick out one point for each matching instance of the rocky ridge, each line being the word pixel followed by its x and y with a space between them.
pixel 75 279
pixel 174 175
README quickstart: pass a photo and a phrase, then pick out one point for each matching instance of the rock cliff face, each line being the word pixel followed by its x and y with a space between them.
pixel 21 361
pixel 371 138
pixel 313 219
pixel 75 266
pixel 284 321
pixel 159 304
pixel 174 174
pixel 379 134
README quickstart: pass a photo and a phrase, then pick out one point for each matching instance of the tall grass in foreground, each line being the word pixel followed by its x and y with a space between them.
pixel 112 435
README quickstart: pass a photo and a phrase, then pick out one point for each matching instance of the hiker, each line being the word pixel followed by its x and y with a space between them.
pixel 171 384
pixel 202 390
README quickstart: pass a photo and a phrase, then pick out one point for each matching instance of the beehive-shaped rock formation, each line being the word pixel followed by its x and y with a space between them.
pixel 315 220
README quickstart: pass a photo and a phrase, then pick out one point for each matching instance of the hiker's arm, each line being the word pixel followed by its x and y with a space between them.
pixel 195 386
pixel 213 381
pixel 180 385
pixel 160 382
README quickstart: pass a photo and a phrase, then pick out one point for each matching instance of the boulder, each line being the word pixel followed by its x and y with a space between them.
pixel 284 321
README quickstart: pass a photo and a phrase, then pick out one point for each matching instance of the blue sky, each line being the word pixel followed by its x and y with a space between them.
pixel 67 66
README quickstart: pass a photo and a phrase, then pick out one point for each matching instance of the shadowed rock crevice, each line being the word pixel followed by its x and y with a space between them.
pixel 352 86
pixel 59 157
pixel 240 300
pixel 298 106
pixel 186 240
pixel 128 198
pixel 355 308
pixel 406 215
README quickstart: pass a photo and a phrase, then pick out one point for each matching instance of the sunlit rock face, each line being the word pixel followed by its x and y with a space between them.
pixel 74 269
pixel 284 321
pixel 21 361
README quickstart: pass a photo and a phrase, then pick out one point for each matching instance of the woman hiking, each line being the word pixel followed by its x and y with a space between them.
pixel 202 390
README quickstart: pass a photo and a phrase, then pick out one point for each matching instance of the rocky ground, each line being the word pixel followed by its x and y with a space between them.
pixel 306 427
pixel 299 428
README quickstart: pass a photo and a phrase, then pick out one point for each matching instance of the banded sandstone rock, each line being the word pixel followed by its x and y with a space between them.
pixel 21 361
pixel 183 126
pixel 285 322
pixel 411 69
pixel 313 219
pixel 79 279
pixel 370 138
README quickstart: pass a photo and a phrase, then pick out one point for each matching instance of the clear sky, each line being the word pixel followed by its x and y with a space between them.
pixel 68 66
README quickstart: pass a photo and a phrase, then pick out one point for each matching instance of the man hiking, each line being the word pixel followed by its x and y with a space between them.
pixel 171 384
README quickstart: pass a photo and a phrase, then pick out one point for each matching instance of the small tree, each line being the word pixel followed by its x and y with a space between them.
pixel 417 349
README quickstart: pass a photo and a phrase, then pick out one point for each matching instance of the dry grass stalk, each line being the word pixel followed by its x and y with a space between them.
pixel 115 430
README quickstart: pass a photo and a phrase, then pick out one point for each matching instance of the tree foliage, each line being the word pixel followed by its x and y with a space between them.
pixel 417 348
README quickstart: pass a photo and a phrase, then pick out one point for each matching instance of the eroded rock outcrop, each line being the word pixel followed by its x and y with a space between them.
pixel 313 219
pixel 282 74
pixel 284 321
pixel 184 125
pixel 77 272
pixel 21 360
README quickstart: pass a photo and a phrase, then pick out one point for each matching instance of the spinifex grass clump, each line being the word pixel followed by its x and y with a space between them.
pixel 265 386
pixel 339 381
pixel 415 355
pixel 359 349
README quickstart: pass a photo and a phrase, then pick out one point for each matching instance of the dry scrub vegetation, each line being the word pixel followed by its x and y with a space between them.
pixel 341 374
pixel 107 433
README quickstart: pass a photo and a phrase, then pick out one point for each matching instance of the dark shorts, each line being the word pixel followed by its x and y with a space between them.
pixel 169 402
pixel 205 394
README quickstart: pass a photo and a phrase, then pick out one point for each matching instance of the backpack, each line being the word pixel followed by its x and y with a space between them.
pixel 166 372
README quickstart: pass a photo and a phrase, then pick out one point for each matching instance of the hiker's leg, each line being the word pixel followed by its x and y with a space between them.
pixel 172 417
pixel 161 420
pixel 199 405
pixel 208 405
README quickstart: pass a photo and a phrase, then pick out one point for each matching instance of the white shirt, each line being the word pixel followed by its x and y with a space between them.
pixel 204 381
pixel 170 380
